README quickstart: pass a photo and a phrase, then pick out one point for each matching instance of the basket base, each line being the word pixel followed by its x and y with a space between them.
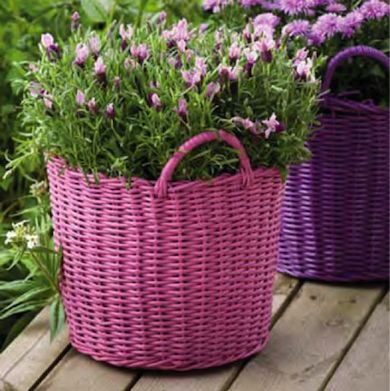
pixel 165 364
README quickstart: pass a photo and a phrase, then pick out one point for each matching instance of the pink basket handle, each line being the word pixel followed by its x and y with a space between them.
pixel 355 51
pixel 161 186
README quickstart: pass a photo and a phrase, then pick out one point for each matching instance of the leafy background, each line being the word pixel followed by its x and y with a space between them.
pixel 21 24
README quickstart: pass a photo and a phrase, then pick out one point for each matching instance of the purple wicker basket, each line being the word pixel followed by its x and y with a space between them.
pixel 336 213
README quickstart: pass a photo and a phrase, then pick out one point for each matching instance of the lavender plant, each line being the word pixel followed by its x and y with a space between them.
pixel 121 102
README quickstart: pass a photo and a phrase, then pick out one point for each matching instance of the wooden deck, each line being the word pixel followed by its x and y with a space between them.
pixel 324 337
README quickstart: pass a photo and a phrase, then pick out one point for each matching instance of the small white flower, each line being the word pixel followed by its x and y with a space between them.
pixel 32 241
pixel 10 236
pixel 37 189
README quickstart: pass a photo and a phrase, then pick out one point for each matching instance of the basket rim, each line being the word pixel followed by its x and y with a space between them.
pixel 77 173
pixel 341 102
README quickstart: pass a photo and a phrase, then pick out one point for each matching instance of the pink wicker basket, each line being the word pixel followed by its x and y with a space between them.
pixel 168 275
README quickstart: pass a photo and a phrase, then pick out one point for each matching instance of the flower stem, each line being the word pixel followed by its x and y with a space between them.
pixel 44 270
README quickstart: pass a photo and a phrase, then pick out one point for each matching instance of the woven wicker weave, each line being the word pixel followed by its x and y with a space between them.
pixel 168 275
pixel 335 222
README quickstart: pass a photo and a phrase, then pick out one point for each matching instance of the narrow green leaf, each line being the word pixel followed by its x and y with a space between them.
pixel 57 317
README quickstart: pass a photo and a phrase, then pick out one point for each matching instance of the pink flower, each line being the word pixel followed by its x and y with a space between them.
pixel 264 46
pixel 48 103
pixel 268 19
pixel 75 21
pixel 228 73
pixel 48 43
pixel 201 66
pixel 213 89
pixel 336 7
pixel 192 78
pixel 247 32
pixel 140 52
pixel 110 111
pixel 234 52
pixel 100 69
pixel 162 17
pixel 326 26
pixel 375 9
pixel 203 28
pixel 263 31
pixel 181 45
pixel 48 100
pixel 47 40
pixel 82 53
pixel 35 89
pixel 273 126
pixel 182 110
pixel 99 66
pixel 301 55
pixel 94 45
pixel 154 101
pixel 294 7
pixel 247 124
pixel 126 33
pixel 175 62
pixel 92 105
pixel 216 6
pixel 297 28
pixel 350 23
pixel 303 70
pixel 80 98
pixel 189 55
pixel 179 32
pixel 251 58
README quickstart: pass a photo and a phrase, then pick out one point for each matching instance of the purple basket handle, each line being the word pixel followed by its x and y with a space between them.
pixel 161 186
pixel 355 51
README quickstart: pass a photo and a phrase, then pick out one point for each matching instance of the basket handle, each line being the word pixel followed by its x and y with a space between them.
pixel 161 185
pixel 354 51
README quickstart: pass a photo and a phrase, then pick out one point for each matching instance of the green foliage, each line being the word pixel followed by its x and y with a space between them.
pixel 141 138
pixel 31 269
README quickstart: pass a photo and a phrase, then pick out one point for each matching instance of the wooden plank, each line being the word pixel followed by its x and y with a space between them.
pixel 31 354
pixel 78 372
pixel 366 366
pixel 213 379
pixel 309 339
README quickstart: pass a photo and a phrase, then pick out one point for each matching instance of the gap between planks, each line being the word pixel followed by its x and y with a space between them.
pixel 310 338
pixel 365 365
pixel 31 355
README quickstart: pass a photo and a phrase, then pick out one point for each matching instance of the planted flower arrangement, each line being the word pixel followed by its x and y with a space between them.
pixel 336 211
pixel 326 26
pixel 166 150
